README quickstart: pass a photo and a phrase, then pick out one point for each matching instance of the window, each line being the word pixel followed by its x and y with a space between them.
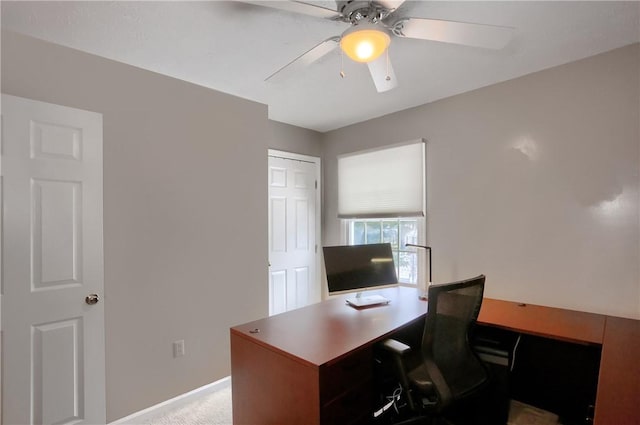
pixel 397 232
pixel 381 193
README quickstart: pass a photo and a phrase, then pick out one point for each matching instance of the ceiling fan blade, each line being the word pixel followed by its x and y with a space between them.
pixel 307 58
pixel 298 7
pixel 476 35
pixel 382 74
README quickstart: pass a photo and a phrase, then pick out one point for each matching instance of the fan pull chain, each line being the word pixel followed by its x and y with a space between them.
pixel 342 74
pixel 388 78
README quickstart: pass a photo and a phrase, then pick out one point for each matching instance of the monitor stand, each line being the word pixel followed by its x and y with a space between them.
pixel 360 301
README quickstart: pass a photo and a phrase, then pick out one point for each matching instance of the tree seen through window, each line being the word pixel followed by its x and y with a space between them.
pixel 396 232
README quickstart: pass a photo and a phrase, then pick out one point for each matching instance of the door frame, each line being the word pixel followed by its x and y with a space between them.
pixel 318 163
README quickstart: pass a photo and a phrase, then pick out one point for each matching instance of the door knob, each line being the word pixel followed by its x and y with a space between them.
pixel 92 299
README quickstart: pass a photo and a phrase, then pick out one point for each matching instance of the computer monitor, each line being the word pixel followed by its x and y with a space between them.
pixel 356 268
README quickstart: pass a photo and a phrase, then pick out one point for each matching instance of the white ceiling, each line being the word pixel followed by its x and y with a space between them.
pixel 232 47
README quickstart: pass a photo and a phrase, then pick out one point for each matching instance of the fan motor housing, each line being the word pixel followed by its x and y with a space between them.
pixel 356 11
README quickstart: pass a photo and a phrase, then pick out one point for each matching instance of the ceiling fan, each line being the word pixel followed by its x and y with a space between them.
pixel 372 24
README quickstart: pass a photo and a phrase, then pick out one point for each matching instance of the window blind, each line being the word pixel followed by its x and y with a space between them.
pixel 386 182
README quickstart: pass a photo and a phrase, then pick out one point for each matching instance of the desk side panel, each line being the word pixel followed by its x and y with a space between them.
pixel 618 398
pixel 269 388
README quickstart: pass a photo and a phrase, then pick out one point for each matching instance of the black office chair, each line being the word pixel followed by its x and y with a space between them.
pixel 445 370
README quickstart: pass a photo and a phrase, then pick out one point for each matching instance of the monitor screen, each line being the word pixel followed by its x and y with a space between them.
pixel 355 268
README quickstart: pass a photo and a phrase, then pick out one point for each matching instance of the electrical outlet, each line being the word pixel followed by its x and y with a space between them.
pixel 178 348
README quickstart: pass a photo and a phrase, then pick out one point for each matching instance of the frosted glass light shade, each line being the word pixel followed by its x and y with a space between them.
pixel 382 183
pixel 365 42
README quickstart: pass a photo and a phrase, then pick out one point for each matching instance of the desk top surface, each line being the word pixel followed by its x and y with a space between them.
pixel 324 332
pixel 550 322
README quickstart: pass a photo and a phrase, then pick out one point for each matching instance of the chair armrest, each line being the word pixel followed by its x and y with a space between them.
pixel 395 347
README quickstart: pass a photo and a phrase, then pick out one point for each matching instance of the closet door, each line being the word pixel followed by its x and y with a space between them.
pixel 293 219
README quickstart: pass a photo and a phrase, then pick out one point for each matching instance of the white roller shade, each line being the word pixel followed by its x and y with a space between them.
pixel 382 183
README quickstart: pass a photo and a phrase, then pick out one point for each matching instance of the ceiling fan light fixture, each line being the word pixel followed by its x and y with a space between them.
pixel 365 42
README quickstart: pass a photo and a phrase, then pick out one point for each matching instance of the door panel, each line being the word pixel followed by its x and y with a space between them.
pixel 55 141
pixel 293 257
pixel 53 341
pixel 302 224
pixel 278 291
pixel 56 233
pixel 56 372
pixel 302 285
pixel 278 222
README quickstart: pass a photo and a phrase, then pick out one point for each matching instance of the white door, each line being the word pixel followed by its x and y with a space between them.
pixel 293 227
pixel 53 347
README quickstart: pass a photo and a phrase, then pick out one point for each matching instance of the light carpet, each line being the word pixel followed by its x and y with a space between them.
pixel 211 409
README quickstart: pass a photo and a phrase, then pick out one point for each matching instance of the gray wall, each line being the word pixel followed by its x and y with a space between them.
pixel 185 220
pixel 295 139
pixel 533 182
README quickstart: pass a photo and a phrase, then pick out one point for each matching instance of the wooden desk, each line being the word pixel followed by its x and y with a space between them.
pixel 618 395
pixel 315 365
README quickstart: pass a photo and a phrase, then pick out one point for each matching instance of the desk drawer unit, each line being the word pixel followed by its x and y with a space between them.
pixel 345 389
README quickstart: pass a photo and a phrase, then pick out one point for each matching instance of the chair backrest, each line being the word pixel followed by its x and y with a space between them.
pixel 455 369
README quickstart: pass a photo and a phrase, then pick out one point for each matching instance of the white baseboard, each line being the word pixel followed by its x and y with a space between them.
pixel 173 403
